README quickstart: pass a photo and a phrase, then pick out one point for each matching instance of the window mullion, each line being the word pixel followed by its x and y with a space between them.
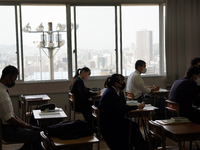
pixel 116 39
pixel 161 40
pixel 75 39
pixel 69 42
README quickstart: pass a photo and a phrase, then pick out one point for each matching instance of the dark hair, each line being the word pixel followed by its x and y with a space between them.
pixel 9 70
pixel 192 70
pixel 195 61
pixel 139 63
pixel 110 81
pixel 78 72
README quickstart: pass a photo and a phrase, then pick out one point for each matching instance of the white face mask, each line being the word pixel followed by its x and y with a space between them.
pixel 86 78
pixel 198 81
pixel 144 70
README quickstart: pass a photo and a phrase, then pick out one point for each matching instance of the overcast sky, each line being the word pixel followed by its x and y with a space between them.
pixel 96 24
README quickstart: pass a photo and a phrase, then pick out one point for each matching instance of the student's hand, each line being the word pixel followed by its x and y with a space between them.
pixel 28 126
pixel 141 106
pixel 156 88
pixel 98 92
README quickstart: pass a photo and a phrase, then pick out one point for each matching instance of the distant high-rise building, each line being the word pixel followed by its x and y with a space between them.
pixel 144 45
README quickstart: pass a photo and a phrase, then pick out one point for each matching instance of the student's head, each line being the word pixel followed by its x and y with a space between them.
pixel 140 66
pixel 9 75
pixel 84 73
pixel 116 80
pixel 193 73
pixel 195 62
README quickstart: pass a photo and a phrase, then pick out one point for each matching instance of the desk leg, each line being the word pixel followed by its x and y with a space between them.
pixel 154 98
pixel 130 130
pixel 145 129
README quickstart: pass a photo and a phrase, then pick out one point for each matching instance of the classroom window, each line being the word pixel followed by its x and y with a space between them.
pixel 96 39
pixel 8 37
pixel 140 34
pixel 44 62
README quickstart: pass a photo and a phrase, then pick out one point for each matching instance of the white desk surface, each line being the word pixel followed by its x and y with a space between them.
pixel 49 115
pixel 36 97
pixel 135 103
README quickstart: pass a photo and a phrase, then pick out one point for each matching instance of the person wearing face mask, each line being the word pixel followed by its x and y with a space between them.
pixel 82 93
pixel 136 85
pixel 114 125
pixel 196 62
pixel 13 128
pixel 185 92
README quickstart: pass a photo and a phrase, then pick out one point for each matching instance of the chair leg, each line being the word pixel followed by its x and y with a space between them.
pixel 74 115
pixel 70 112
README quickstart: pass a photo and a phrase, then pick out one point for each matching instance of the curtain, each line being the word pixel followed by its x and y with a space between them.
pixel 182 36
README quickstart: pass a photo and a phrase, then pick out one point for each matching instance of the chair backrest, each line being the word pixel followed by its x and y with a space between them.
pixel 23 104
pixel 171 106
pixel 72 101
pixel 158 132
pixel 129 95
pixel 46 142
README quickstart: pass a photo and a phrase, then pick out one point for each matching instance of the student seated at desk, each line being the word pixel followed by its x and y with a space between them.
pixel 113 124
pixel 82 93
pixel 136 84
pixel 13 128
pixel 185 92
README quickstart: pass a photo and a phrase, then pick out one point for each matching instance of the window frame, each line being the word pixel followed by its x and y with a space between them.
pixel 118 39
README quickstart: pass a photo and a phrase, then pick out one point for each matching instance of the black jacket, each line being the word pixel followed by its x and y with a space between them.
pixel 70 130
pixel 82 93
pixel 185 92
pixel 113 124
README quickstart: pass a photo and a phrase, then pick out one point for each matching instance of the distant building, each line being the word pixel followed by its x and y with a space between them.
pixel 144 45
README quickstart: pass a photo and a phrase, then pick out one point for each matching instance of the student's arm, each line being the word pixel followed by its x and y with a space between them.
pixel 155 88
pixel 84 91
pixel 19 123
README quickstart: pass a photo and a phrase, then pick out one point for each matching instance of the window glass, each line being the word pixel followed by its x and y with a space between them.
pixel 96 39
pixel 140 34
pixel 47 63
pixel 8 37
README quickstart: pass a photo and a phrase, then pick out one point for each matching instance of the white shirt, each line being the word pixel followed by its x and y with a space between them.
pixel 136 85
pixel 6 107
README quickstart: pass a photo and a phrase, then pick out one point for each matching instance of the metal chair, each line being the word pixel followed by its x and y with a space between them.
pixel 96 116
pixel 159 133
pixel 129 95
pixel 72 106
pixel 171 106
pixel 46 142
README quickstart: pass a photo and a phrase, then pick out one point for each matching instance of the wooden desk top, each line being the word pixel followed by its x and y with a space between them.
pixel 182 128
pixel 82 140
pixel 42 97
pixel 49 115
pixel 185 128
